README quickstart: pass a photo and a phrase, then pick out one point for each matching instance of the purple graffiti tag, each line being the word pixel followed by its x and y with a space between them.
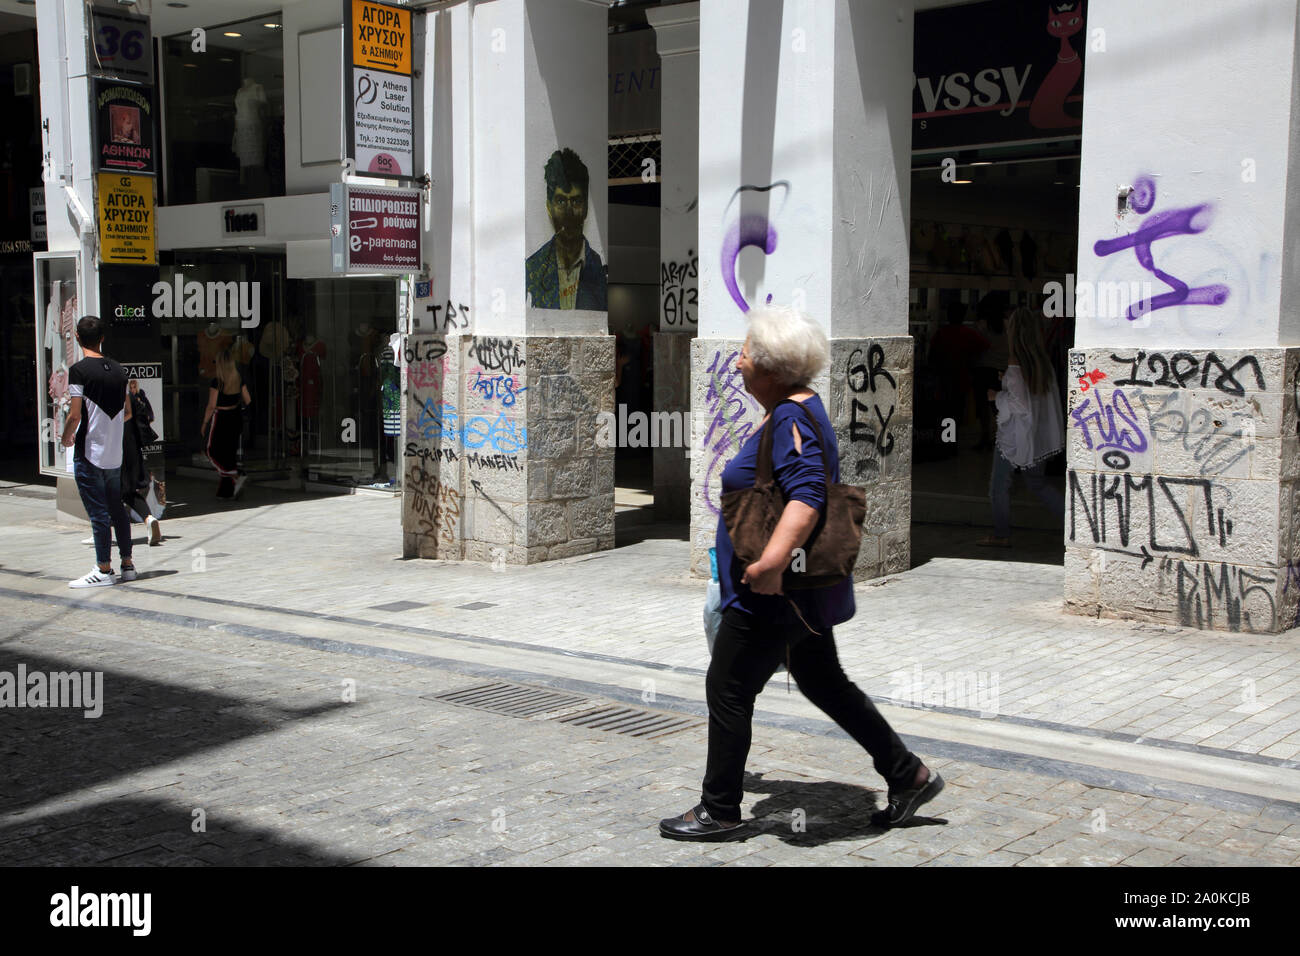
pixel 1109 435
pixel 728 404
pixel 751 230
pixel 1175 222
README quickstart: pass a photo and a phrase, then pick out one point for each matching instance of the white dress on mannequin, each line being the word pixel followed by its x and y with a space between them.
pixel 249 143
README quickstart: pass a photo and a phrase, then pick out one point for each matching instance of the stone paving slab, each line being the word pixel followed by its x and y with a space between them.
pixel 259 737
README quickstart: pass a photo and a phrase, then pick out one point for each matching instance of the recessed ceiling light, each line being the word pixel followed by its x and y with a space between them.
pixel 983 162
pixel 192 66
pixel 231 34
pixel 226 59
pixel 271 26
pixel 961 182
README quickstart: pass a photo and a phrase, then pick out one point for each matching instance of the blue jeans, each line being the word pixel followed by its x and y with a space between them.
pixel 101 493
pixel 1000 493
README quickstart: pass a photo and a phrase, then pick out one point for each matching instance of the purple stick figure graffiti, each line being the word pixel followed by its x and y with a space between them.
pixel 1175 222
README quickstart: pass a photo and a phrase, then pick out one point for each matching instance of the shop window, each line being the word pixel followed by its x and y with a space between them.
pixel 224 113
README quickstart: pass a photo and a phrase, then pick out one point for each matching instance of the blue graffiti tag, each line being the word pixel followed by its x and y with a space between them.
pixel 504 387
pixel 436 420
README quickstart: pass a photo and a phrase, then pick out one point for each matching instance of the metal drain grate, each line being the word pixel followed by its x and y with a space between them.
pixel 629 721
pixel 513 700
pixel 474 606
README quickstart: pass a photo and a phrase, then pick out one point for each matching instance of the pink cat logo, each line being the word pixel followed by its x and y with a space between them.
pixel 1047 111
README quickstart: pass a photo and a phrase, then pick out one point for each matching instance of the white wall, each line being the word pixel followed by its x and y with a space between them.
pixel 497 111
pixel 1199 98
pixel 566 77
pixel 305 17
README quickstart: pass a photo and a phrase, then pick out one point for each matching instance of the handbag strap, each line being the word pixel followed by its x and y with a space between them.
pixel 765 464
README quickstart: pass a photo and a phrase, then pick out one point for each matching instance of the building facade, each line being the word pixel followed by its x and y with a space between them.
pixel 1123 167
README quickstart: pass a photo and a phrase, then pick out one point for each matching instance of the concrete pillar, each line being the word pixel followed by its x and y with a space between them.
pixel 804 189
pixel 677 34
pixel 507 374
pixel 1182 432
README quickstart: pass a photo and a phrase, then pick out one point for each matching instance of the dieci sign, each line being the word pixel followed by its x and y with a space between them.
pixel 374 230
pixel 124 127
pixel 381 122
pixel 126 222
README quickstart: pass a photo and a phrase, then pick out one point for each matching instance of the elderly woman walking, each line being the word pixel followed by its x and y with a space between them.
pixel 762 626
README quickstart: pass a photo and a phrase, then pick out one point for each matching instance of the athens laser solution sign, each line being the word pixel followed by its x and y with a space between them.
pixel 374 230
pixel 381 122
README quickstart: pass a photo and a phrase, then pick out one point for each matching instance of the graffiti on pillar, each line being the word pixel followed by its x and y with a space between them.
pixel 1096 420
pixel 1292 580
pixel 731 412
pixel 749 229
pixel 436 506
pixel 678 289
pixel 441 421
pixel 1186 221
pixel 873 396
pixel 503 388
pixel 1182 368
pixel 1102 506
pixel 1222 595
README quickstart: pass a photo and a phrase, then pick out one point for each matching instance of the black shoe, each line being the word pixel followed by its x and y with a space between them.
pixel 697 824
pixel 903 804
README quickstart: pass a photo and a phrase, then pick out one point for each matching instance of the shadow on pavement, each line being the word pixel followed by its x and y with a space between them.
pixel 141 832
pixel 831 812
pixel 49 751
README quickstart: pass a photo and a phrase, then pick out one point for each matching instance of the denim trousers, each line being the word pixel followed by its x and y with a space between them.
pixel 745 655
pixel 1000 492
pixel 101 493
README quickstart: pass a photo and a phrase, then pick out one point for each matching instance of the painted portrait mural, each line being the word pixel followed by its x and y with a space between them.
pixel 566 273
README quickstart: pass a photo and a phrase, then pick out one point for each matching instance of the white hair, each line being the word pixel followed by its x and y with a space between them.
pixel 787 343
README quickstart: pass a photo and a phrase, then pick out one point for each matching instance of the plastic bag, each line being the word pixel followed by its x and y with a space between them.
pixel 712 613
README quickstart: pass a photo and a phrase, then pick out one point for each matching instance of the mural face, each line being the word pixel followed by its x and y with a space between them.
pixel 566 273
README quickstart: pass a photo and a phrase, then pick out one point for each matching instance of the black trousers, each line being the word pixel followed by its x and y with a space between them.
pixel 745 656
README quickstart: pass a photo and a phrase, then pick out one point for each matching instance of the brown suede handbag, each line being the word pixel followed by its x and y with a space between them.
pixel 750 515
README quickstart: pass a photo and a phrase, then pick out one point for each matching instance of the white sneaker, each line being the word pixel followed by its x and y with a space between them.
pixel 155 531
pixel 95 579
pixel 128 574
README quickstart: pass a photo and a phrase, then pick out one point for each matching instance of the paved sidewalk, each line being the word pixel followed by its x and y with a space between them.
pixel 1101 742
pixel 927 636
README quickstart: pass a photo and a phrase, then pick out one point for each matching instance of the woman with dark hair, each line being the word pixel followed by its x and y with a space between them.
pixel 226 424
pixel 761 625
pixel 138 434
pixel 1031 427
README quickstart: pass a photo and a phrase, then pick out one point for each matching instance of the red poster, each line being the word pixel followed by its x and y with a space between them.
pixel 383 230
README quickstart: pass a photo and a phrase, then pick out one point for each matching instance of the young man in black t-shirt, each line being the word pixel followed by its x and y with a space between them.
pixel 96 418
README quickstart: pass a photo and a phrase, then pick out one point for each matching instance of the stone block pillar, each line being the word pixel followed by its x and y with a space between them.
pixel 512 361
pixel 804 188
pixel 1182 430
pixel 677 34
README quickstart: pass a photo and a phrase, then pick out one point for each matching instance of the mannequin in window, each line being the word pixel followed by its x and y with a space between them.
pixel 249 143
